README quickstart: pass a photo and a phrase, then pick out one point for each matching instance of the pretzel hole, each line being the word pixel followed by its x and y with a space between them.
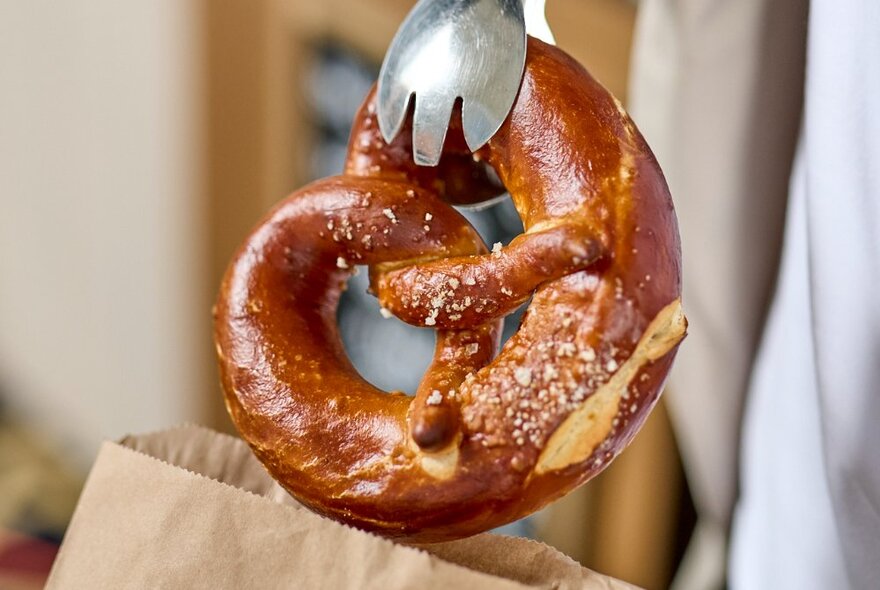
pixel 388 353
pixel 391 354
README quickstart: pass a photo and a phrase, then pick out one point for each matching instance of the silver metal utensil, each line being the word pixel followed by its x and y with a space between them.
pixel 449 49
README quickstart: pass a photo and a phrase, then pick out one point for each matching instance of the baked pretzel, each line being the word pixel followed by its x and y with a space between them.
pixel 487 439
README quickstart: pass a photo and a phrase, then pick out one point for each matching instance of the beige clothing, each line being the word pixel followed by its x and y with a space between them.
pixel 717 90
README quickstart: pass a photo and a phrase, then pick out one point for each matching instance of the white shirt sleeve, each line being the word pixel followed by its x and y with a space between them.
pixel 809 511
pixel 842 161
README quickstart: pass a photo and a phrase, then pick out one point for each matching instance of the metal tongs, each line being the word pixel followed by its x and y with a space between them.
pixel 445 50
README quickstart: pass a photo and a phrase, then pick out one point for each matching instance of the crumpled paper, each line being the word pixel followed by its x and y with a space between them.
pixel 191 508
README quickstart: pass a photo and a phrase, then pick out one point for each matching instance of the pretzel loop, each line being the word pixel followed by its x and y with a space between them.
pixel 489 437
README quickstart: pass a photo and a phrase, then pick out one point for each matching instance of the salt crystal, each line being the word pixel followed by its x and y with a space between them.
pixel 523 376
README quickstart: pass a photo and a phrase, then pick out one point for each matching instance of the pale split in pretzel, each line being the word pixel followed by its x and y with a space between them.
pixel 585 428
pixel 489 437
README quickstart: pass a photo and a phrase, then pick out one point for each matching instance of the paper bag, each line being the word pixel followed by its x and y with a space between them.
pixel 191 508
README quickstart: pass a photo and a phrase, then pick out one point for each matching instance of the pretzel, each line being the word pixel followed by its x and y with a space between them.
pixel 487 439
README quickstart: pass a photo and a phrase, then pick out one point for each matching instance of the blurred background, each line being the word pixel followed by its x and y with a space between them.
pixel 139 141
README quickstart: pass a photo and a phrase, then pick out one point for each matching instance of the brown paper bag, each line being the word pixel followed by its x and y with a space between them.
pixel 191 508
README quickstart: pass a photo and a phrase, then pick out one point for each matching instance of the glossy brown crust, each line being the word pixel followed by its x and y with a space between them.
pixel 482 442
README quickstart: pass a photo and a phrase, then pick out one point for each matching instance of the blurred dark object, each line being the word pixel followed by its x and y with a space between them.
pixel 24 561
pixel 37 489
pixel 38 493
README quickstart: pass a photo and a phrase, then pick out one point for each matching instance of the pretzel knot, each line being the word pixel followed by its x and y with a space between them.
pixel 488 437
